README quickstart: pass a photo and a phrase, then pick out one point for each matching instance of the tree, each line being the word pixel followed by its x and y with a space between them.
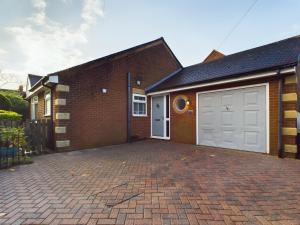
pixel 5 103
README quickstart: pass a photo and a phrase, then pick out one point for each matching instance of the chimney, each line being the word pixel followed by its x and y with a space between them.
pixel 20 89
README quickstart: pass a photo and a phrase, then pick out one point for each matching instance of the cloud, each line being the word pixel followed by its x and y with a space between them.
pixel 47 45
pixel 2 52
pixel 91 11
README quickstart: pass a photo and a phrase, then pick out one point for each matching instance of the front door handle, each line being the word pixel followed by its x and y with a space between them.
pixel 157 119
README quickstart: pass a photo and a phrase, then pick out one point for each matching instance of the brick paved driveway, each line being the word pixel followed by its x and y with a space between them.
pixel 152 182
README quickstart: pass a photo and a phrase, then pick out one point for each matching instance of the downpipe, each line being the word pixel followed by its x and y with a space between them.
pixel 280 119
pixel 129 107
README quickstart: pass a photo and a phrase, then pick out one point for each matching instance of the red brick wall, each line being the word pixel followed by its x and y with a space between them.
pixel 183 126
pixel 141 125
pixel 101 119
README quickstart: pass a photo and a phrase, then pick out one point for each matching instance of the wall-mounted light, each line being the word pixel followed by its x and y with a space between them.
pixel 188 102
pixel 138 82
pixel 104 91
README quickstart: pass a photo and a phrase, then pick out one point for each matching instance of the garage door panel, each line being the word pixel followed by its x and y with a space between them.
pixel 251 118
pixel 251 138
pixel 207 118
pixel 209 137
pixel 227 118
pixel 227 99
pixel 233 119
pixel 207 101
pixel 251 98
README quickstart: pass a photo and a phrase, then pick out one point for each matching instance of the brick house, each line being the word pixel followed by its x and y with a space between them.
pixel 244 101
pixel 88 103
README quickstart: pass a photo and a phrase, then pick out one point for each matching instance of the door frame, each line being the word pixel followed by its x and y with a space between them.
pixel 165 119
pixel 266 85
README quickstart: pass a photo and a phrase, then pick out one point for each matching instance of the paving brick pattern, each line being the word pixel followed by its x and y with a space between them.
pixel 152 182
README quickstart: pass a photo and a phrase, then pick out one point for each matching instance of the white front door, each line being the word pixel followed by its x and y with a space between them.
pixel 233 118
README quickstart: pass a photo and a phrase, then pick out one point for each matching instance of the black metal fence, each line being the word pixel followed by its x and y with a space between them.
pixel 10 156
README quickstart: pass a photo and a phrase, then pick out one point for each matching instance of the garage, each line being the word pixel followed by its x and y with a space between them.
pixel 235 118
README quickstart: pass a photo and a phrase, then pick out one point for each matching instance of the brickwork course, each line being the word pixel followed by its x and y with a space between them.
pixel 152 182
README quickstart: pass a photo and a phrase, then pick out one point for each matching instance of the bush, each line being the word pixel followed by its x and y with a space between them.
pixel 18 104
pixel 13 136
pixel 4 102
pixel 9 116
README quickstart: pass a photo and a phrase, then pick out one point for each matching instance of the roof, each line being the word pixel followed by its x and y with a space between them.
pixel 33 79
pixel 38 80
pixel 276 55
pixel 123 53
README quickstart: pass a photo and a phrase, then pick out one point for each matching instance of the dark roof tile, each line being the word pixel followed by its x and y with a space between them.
pixel 272 56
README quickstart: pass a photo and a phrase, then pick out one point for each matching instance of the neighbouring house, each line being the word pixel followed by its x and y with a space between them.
pixel 243 101
pixel 89 104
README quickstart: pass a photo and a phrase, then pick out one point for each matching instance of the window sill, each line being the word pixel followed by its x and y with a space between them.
pixel 137 115
pixel 47 115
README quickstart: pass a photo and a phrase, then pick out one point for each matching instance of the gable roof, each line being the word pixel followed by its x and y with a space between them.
pixel 33 79
pixel 125 52
pixel 38 80
pixel 276 55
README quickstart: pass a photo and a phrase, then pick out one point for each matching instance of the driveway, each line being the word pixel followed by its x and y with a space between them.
pixel 152 182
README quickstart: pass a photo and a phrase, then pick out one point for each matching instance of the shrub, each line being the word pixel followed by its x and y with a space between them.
pixel 13 136
pixel 18 104
pixel 9 116
pixel 4 102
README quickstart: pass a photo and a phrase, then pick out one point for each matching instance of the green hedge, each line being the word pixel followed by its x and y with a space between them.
pixel 18 104
pixel 10 116
pixel 4 102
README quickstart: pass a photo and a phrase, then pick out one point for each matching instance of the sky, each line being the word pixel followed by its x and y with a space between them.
pixel 44 36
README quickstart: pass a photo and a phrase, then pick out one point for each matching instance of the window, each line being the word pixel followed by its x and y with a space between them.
pixel 34 107
pixel 181 104
pixel 47 103
pixel 139 105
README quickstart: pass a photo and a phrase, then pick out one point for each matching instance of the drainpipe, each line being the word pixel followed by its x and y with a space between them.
pixel 280 118
pixel 298 107
pixel 129 107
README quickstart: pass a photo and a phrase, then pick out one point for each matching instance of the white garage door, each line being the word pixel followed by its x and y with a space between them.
pixel 233 119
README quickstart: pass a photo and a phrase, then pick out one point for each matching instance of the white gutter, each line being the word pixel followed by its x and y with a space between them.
pixel 227 81
pixel 51 79
pixel 34 92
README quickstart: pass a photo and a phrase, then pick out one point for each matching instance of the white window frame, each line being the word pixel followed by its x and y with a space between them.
pixel 47 97
pixel 34 101
pixel 139 101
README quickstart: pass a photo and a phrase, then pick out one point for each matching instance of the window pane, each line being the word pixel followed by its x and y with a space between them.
pixel 48 107
pixel 167 107
pixel 142 109
pixel 35 111
pixel 139 98
pixel 135 108
pixel 167 128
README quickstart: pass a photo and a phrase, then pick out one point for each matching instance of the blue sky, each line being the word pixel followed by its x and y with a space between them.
pixel 40 36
